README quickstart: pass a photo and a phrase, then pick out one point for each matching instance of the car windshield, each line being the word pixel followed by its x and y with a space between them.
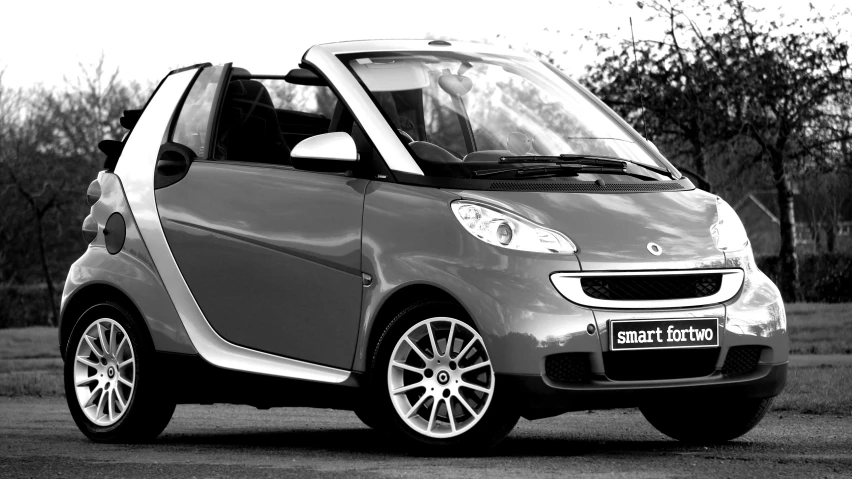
pixel 461 113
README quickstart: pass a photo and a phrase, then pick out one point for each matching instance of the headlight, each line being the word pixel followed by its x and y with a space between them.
pixel 728 231
pixel 510 231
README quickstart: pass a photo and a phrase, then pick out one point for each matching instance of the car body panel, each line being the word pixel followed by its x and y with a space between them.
pixel 136 170
pixel 679 222
pixel 131 270
pixel 412 237
pixel 263 249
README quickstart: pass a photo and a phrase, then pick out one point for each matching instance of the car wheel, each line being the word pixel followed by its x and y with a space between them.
pixel 434 384
pixel 111 383
pixel 705 422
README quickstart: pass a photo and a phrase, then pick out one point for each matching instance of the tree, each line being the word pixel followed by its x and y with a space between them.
pixel 756 93
pixel 48 154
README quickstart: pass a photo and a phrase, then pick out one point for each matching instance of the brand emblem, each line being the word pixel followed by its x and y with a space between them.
pixel 655 249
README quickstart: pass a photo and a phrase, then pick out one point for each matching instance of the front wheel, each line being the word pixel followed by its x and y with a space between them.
pixel 111 384
pixel 705 422
pixel 434 383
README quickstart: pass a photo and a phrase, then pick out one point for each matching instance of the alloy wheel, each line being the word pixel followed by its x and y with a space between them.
pixel 104 372
pixel 440 377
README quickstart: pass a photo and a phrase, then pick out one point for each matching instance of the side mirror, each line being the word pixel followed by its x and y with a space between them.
pixel 329 152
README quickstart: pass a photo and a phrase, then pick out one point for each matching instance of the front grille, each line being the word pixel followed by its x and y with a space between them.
pixel 741 360
pixel 648 288
pixel 660 364
pixel 572 368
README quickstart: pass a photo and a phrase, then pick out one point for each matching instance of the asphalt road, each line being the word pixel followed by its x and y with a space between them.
pixel 39 439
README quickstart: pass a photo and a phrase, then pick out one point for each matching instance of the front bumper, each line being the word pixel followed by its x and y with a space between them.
pixel 537 397
pixel 753 318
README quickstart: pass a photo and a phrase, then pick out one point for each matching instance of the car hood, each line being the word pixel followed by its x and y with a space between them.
pixel 612 231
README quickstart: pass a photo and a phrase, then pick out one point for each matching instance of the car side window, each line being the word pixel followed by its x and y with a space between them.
pixel 193 123
pixel 302 111
pixel 262 119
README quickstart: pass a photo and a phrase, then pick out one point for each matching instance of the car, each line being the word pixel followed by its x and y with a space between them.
pixel 442 237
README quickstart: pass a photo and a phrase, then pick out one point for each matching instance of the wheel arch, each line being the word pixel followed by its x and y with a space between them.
pixel 84 298
pixel 401 297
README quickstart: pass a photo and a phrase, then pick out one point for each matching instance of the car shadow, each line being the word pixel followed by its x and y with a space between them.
pixel 358 441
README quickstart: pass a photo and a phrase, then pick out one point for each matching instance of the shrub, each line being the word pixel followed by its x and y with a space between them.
pixel 823 278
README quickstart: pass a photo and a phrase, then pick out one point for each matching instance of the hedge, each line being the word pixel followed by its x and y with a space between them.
pixel 823 278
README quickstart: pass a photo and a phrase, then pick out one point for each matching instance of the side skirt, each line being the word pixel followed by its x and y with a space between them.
pixel 192 380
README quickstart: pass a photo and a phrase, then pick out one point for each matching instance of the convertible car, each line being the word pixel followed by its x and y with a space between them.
pixel 441 237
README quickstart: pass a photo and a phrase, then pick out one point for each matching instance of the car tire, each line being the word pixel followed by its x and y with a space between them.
pixel 111 381
pixel 461 372
pixel 370 417
pixel 707 423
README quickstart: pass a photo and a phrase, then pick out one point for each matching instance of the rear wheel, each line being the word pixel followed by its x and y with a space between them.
pixel 111 384
pixel 706 422
pixel 434 384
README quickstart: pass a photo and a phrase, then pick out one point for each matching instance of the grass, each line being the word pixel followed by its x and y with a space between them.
pixel 820 328
pixel 817 390
pixel 30 363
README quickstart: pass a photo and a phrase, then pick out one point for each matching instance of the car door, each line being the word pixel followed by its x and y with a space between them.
pixel 271 254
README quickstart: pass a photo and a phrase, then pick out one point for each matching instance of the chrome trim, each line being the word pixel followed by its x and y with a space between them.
pixel 136 170
pixel 655 249
pixel 568 285
pixel 363 108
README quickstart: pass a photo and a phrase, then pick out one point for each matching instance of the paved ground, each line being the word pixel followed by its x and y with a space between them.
pixel 39 439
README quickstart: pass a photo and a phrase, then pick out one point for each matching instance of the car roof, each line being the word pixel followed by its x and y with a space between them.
pixel 363 46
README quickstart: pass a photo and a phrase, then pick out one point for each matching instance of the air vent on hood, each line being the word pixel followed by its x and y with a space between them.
pixel 592 187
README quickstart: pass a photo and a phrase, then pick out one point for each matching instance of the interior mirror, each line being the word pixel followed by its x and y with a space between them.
pixel 455 85
pixel 331 152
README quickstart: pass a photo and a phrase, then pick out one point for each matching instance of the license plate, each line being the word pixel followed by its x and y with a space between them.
pixel 632 334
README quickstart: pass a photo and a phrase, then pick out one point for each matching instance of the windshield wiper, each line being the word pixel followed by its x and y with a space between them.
pixel 579 159
pixel 559 169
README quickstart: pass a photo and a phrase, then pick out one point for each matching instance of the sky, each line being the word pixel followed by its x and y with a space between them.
pixel 44 41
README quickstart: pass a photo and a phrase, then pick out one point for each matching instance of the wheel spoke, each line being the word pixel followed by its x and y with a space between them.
pixel 448 402
pixel 92 346
pixel 475 366
pixel 417 350
pixel 468 385
pixel 85 381
pixel 400 365
pixel 465 349
pixel 432 415
pixel 111 403
pixel 91 401
pixel 432 339
pixel 86 361
pixel 467 406
pixel 120 345
pixel 417 405
pixel 125 363
pixel 121 402
pixel 448 350
pixel 104 345
pixel 404 389
pixel 100 404
pixel 111 350
pixel 125 382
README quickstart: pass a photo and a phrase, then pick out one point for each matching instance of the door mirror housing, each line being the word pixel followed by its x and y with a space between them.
pixel 328 152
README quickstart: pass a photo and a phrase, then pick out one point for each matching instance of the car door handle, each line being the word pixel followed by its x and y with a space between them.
pixel 173 163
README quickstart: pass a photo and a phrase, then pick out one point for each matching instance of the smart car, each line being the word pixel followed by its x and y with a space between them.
pixel 442 237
